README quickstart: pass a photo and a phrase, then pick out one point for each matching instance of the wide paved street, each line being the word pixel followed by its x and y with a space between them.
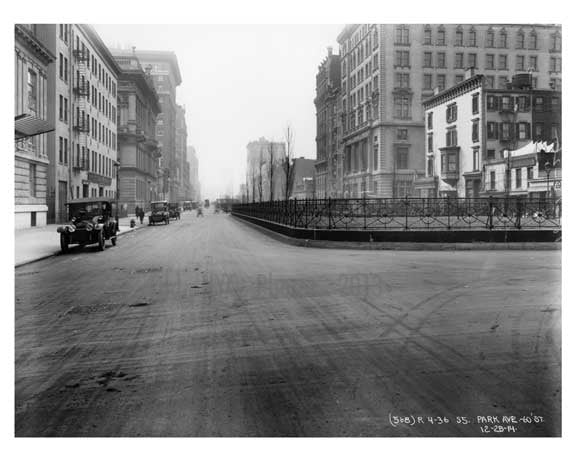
pixel 207 327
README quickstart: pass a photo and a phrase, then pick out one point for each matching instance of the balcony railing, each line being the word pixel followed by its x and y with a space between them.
pixel 413 214
pixel 82 89
pixel 81 55
pixel 81 127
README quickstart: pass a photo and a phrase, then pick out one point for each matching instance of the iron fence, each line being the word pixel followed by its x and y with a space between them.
pixel 409 213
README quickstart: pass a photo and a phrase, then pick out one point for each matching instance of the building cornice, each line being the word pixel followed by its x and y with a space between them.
pixel 454 91
pixel 101 48
pixel 34 44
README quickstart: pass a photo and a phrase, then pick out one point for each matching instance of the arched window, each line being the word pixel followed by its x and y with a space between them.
pixel 459 38
pixel 427 40
pixel 503 39
pixel 533 40
pixel 472 37
pixel 520 40
pixel 490 38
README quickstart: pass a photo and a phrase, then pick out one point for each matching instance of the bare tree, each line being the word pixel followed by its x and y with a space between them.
pixel 261 164
pixel 271 166
pixel 287 160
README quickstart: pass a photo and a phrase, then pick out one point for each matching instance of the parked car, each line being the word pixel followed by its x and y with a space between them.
pixel 174 210
pixel 159 212
pixel 187 205
pixel 92 221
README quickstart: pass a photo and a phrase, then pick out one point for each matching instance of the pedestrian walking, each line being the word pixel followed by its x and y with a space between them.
pixel 141 215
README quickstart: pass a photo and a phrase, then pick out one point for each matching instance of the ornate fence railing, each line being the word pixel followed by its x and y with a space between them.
pixel 409 213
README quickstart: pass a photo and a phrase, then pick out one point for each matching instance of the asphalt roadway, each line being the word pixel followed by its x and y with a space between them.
pixel 207 327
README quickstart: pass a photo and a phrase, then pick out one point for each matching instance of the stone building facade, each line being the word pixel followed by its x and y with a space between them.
pixel 138 152
pixel 33 119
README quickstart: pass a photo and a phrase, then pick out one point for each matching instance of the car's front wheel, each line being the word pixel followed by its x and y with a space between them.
pixel 101 241
pixel 64 242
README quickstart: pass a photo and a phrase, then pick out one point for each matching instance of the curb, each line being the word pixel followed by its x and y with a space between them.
pixel 57 252
pixel 402 246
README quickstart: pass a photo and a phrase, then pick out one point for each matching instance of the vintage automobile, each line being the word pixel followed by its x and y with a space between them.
pixel 159 212
pixel 174 210
pixel 92 221
pixel 187 205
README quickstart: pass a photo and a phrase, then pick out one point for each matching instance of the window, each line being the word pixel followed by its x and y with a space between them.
pixel 61 66
pixel 401 157
pixel 472 37
pixel 402 59
pixel 490 61
pixel 492 130
pixel 66 110
pixel 518 178
pixel 555 64
pixel 441 37
pixel 506 131
pixel 449 162
pixel 523 130
pixel 491 154
pixel 475 101
pixel 523 103
pixel 427 59
pixel 556 42
pixel 489 81
pixel 65 69
pixel 520 40
pixel 538 131
pixel 502 62
pixel 490 38
pixel 475 131
pixel 66 151
pixel 556 84
pixel 427 36
pixel 533 40
pixel 402 107
pixel 458 78
pixel 402 134
pixel 402 80
pixel 427 85
pixel 507 103
pixel 451 137
pixel 459 61
pixel 534 63
pixel 520 61
pixel 430 120
pixel 402 35
pixel 476 159
pixel 61 107
pixel 502 82
pixel 61 149
pixel 32 179
pixel 530 172
pixel 375 153
pixel 459 39
pixel 441 81
pixel 441 60
pixel 430 139
pixel 503 39
pixel 492 180
pixel 472 60
pixel 430 166
pixel 451 113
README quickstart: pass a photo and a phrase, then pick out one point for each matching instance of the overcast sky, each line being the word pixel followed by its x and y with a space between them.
pixel 239 82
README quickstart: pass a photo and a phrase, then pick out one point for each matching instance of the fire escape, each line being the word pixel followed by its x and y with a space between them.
pixel 81 118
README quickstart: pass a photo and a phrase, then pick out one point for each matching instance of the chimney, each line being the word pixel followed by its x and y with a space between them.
pixel 329 51
pixel 469 73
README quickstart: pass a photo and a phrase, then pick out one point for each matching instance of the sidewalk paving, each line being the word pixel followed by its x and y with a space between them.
pixel 38 243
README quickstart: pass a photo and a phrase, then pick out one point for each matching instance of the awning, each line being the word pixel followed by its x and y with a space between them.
pixel 26 125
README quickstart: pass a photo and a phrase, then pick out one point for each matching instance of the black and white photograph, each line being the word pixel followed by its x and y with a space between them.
pixel 287 230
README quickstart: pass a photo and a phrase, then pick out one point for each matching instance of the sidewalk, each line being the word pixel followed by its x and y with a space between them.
pixel 42 242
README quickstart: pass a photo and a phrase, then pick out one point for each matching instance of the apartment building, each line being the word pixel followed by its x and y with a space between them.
pixel 32 119
pixel 138 152
pixel 166 76
pixel 328 128
pixel 194 173
pixel 180 146
pixel 387 71
pixel 480 141
pixel 83 85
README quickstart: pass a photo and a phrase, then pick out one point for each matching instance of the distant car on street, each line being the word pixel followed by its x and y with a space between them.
pixel 159 212
pixel 187 205
pixel 92 221
pixel 206 203
pixel 174 210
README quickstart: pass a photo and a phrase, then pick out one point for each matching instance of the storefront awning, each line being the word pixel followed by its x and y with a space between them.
pixel 26 125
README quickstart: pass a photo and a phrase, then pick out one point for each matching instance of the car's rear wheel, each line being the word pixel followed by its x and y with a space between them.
pixel 101 241
pixel 64 242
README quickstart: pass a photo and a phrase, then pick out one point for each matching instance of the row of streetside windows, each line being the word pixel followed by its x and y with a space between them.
pixel 98 70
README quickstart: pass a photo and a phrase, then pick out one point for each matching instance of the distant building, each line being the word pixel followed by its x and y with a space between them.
pixel 33 112
pixel 180 146
pixel 258 170
pixel 387 70
pixel 481 141
pixel 302 181
pixel 166 75
pixel 138 107
pixel 328 177
pixel 194 174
